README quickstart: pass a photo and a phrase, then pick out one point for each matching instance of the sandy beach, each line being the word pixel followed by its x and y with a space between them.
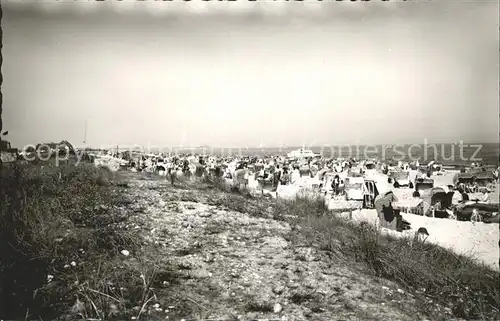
pixel 478 240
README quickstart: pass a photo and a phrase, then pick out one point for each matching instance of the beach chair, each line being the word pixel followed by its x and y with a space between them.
pixel 389 217
pixel 369 194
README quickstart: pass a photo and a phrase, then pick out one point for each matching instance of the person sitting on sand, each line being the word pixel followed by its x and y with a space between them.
pixel 437 206
pixel 475 217
pixel 486 197
pixel 422 234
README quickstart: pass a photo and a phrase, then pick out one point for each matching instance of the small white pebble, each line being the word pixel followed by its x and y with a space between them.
pixel 50 278
pixel 73 263
pixel 66 266
pixel 156 305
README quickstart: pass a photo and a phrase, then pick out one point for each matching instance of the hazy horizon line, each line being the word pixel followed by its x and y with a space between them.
pixel 288 146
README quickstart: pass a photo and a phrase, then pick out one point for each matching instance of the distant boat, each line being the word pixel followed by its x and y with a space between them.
pixel 302 153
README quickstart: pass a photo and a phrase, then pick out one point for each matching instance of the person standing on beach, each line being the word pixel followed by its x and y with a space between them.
pixel 336 184
pixel 171 171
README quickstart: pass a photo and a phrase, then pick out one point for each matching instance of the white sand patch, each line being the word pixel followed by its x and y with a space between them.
pixel 366 215
pixel 252 182
pixel 112 163
pixel 445 179
pixel 479 241
pixel 334 204
pixel 288 191
pixel 380 179
pixel 301 186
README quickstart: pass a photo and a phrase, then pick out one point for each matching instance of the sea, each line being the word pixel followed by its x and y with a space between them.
pixel 447 154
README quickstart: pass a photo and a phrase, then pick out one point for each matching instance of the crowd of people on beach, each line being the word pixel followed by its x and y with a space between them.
pixel 333 178
pixel 274 170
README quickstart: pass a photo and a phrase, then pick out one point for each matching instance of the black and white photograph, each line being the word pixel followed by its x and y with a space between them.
pixel 249 160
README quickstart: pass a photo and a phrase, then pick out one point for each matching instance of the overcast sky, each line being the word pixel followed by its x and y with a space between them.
pixel 250 74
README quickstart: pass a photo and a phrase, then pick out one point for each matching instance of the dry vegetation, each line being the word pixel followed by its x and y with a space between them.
pixel 63 230
pixel 60 224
